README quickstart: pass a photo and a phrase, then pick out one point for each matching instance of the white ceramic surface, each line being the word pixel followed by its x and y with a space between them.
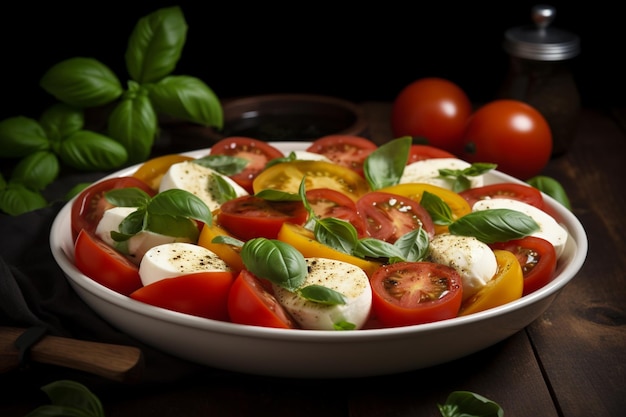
pixel 310 353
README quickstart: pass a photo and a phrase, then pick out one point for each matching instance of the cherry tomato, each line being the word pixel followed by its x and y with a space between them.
pixel 257 152
pixel 326 202
pixel 509 133
pixel 249 216
pixel 228 253
pixel 407 293
pixel 389 216
pixel 153 169
pixel 537 258
pixel 287 177
pixel 202 294
pixel 505 287
pixel 521 192
pixel 249 302
pixel 345 150
pixel 422 152
pixel 90 204
pixel 104 264
pixel 433 108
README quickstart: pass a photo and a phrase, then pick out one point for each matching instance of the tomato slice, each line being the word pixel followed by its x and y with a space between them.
pixel 346 150
pixel 458 205
pixel 521 192
pixel 100 262
pixel 228 253
pixel 326 202
pixel 248 216
pixel 388 216
pixel 537 258
pixel 153 169
pixel 287 177
pixel 421 152
pixel 202 294
pixel 257 152
pixel 407 293
pixel 90 204
pixel 505 287
pixel 249 302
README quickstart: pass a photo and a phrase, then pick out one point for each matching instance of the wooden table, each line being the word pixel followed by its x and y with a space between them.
pixel 570 362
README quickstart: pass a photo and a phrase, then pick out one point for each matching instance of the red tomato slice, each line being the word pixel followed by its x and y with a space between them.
pixel 104 264
pixel 327 202
pixel 250 303
pixel 90 204
pixel 257 152
pixel 388 216
pixel 249 216
pixel 537 258
pixel 345 150
pixel 422 152
pixel 202 294
pixel 407 293
pixel 521 192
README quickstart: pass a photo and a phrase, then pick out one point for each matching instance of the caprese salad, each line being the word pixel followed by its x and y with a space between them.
pixel 345 235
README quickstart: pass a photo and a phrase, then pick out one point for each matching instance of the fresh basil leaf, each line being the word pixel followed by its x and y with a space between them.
pixel 291 157
pixel 413 245
pixel 369 247
pixel 20 136
pixel 224 164
pixel 344 325
pixel 439 211
pixel 336 233
pixel 61 120
pixel 322 295
pixel 494 225
pixel 156 45
pixel 228 240
pixel 16 199
pixel 469 404
pixel 187 98
pixel 133 123
pixel 460 179
pixel 275 261
pixel 90 151
pixel 175 226
pixel 74 397
pixel 384 166
pixel 225 190
pixel 180 203
pixel 277 195
pixel 131 225
pixel 127 197
pixel 82 82
pixel 551 187
pixel 37 170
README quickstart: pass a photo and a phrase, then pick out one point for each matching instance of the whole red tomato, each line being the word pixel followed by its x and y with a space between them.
pixel 509 133
pixel 432 108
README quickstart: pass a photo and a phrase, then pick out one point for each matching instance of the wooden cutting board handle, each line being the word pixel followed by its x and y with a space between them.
pixel 116 362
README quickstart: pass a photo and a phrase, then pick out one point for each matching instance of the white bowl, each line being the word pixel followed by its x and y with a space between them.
pixel 313 353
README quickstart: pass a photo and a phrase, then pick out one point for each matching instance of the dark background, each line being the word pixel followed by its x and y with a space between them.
pixel 353 51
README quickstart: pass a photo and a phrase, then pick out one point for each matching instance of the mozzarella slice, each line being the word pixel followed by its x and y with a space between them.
pixel 549 228
pixel 198 180
pixel 137 245
pixel 345 278
pixel 175 259
pixel 471 258
pixel 310 156
pixel 427 171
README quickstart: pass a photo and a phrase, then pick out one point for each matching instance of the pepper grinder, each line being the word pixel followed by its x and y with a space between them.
pixel 540 75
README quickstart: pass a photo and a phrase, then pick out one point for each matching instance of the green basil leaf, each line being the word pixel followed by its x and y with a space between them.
pixel 224 164
pixel 37 170
pixel 551 187
pixel 439 211
pixel 322 295
pixel 275 261
pixel 175 226
pixel 344 325
pixel 74 396
pixel 127 197
pixel 90 151
pixel 413 245
pixel 228 240
pixel 494 225
pixel 277 195
pixel 291 157
pixel 469 404
pixel 187 98
pixel 61 120
pixel 225 190
pixel 21 136
pixel 384 166
pixel 16 199
pixel 156 44
pixel 336 233
pixel 459 177
pixel 180 203
pixel 369 247
pixel 82 82
pixel 133 123
pixel 131 225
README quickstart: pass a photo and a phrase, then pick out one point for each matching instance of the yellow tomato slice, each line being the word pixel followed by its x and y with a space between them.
pixel 505 287
pixel 287 177
pixel 303 240
pixel 230 255
pixel 458 205
pixel 153 169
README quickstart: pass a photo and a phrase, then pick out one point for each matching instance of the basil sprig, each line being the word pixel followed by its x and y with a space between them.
pixel 460 177
pixel 551 187
pixel 385 165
